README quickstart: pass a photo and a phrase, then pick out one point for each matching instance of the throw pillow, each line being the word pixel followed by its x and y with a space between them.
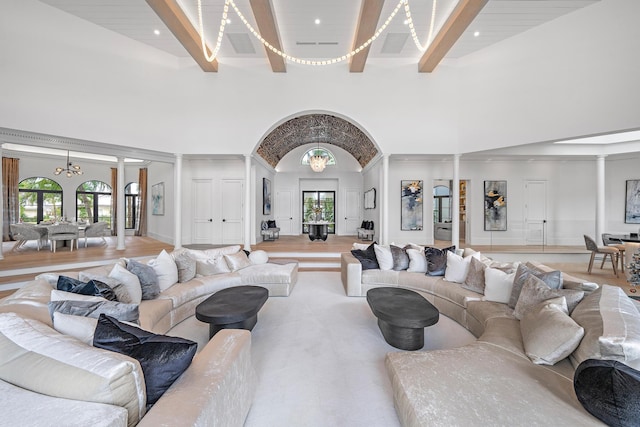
pixel 475 276
pixel 548 333
pixel 122 294
pixel 552 279
pixel 237 261
pixel 210 267
pixel 258 257
pixel 165 269
pixel 147 277
pixel 417 261
pixel 533 292
pixel 57 295
pixel 185 264
pixel 79 327
pixel 400 258
pixel 162 358
pixel 359 246
pixel 130 282
pixel 384 257
pixel 92 287
pixel 497 285
pixel 367 257
pixel 437 260
pixel 124 312
pixel 458 267
pixel 609 390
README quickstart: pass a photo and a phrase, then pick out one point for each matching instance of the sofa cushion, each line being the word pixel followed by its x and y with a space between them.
pixel 121 311
pixel 384 256
pixel 367 257
pixel 38 358
pixel 264 274
pixel 129 280
pixel 162 358
pixel 147 277
pixel 400 258
pixel 497 285
pixel 186 265
pixel 548 333
pixel 609 390
pixel 535 291
pixel 417 261
pixel 214 252
pixel 79 327
pixel 237 261
pixel 213 266
pixel 475 276
pixel 458 267
pixel 165 269
pixel 380 277
pixel 553 279
pixel 437 260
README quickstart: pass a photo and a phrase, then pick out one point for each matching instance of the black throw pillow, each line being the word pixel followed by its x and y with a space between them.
pixel 271 223
pixel 162 358
pixel 609 390
pixel 437 260
pixel 367 257
pixel 363 225
pixel 92 288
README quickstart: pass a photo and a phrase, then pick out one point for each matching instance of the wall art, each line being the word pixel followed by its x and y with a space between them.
pixel 266 196
pixel 411 205
pixel 370 199
pixel 157 199
pixel 495 205
pixel 632 202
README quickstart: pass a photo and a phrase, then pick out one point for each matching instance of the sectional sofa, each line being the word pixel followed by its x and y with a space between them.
pixel 72 383
pixel 499 379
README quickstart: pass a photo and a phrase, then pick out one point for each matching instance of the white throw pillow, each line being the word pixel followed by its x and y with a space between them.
pixel 80 327
pixel 210 267
pixel 497 285
pixel 359 246
pixel 417 261
pixel 258 257
pixel 384 257
pixel 458 267
pixel 57 295
pixel 129 280
pixel 237 261
pixel 166 270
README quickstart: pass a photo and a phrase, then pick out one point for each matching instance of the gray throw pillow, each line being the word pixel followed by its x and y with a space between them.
pixel 437 260
pixel 121 311
pixel 400 258
pixel 475 276
pixel 552 279
pixel 148 278
pixel 186 265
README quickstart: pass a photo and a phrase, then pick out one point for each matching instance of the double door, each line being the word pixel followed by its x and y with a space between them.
pixel 319 206
pixel 218 216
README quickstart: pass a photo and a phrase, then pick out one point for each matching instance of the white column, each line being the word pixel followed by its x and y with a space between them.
pixel 600 198
pixel 1 205
pixel 177 202
pixel 455 202
pixel 384 235
pixel 120 203
pixel 247 202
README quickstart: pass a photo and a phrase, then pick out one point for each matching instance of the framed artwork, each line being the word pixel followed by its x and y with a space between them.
pixel 370 199
pixel 495 206
pixel 411 205
pixel 157 199
pixel 632 202
pixel 266 196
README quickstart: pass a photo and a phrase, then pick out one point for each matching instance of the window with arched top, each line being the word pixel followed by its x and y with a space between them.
pixel 93 202
pixel 40 199
pixel 131 192
pixel 318 151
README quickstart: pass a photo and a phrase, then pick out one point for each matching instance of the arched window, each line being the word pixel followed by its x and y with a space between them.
pixel 93 202
pixel 131 192
pixel 40 200
pixel 319 151
pixel 441 203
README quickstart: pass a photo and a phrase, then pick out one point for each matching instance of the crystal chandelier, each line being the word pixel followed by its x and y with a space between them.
pixel 70 170
pixel 318 162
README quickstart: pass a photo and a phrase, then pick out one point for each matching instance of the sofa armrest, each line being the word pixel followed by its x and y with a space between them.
pixel 216 390
pixel 351 273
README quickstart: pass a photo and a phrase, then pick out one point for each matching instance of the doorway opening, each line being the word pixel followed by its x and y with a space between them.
pixel 318 206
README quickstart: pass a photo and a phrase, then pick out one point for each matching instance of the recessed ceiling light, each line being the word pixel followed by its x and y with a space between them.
pixel 156 32
pixel 317 21
pixel 476 34
pixel 406 22
pixel 228 21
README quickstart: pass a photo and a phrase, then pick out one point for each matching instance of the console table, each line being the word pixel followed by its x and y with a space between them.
pixel 318 230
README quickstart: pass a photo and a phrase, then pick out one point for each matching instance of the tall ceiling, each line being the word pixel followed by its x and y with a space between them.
pixel 334 35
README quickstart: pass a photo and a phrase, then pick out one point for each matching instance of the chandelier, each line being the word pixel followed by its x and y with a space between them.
pixel 70 170
pixel 318 162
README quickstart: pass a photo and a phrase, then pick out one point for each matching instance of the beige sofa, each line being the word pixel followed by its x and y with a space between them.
pixel 216 389
pixel 492 380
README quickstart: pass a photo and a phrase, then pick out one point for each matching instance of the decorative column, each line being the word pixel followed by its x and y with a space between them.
pixel 177 201
pixel 1 205
pixel 120 212
pixel 247 202
pixel 384 235
pixel 455 202
pixel 600 197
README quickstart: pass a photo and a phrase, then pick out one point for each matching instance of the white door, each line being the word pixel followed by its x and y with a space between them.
pixel 535 211
pixel 284 211
pixel 352 210
pixel 203 211
pixel 231 209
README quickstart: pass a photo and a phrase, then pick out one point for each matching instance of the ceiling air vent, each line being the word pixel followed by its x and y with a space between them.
pixel 241 43
pixel 394 42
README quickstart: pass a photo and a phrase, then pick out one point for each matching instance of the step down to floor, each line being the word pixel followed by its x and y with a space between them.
pixel 311 261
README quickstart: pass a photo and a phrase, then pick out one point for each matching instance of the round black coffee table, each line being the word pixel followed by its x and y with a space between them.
pixel 402 316
pixel 232 308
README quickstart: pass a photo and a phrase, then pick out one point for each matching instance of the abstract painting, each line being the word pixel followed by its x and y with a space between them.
pixel 495 205
pixel 157 199
pixel 411 205
pixel 266 196
pixel 632 205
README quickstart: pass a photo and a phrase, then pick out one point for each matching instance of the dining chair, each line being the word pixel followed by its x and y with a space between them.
pixel 97 229
pixel 604 250
pixel 615 243
pixel 63 232
pixel 22 233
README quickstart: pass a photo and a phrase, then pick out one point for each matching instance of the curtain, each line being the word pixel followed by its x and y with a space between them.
pixel 114 201
pixel 141 221
pixel 10 201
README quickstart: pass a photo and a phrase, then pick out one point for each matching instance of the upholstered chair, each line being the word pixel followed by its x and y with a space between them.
pixel 612 252
pixel 63 232
pixel 614 243
pixel 97 229
pixel 22 233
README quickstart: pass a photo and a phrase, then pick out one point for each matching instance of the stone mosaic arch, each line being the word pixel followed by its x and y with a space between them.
pixel 317 128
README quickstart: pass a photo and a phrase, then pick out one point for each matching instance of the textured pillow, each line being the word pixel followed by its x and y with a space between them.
pixel 437 260
pixel 611 325
pixel 165 269
pixel 458 267
pixel 237 261
pixel 186 265
pixel 92 287
pixel 210 267
pixel 57 295
pixel 548 333
pixel 417 261
pixel 497 285
pixel 119 289
pixel 400 258
pixel 367 257
pixel 384 257
pixel 130 282
pixel 162 358
pixel 535 291
pixel 609 390
pixel 475 276
pixel 121 311
pixel 79 327
pixel 553 280
pixel 258 257
pixel 147 277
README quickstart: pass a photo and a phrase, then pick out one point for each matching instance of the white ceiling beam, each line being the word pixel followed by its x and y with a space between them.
pixel 367 23
pixel 178 23
pixel 266 20
pixel 461 17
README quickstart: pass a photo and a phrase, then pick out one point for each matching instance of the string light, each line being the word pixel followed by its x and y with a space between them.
pixel 301 61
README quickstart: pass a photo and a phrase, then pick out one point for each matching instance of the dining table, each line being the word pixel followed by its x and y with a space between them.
pixel 631 237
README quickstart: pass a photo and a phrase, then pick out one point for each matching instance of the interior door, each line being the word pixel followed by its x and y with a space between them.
pixel 535 212
pixel 284 211
pixel 232 208
pixel 352 210
pixel 202 211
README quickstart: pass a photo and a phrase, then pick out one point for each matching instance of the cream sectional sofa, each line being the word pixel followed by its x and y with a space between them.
pixel 216 389
pixel 492 381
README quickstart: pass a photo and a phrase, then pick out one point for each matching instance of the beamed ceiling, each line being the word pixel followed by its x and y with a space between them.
pixel 316 129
